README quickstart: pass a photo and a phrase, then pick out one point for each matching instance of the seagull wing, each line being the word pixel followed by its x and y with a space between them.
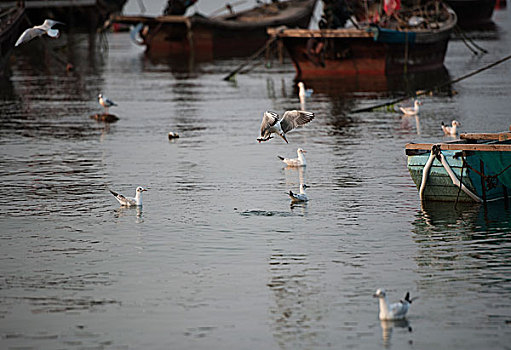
pixel 29 34
pixel 293 119
pixel 123 200
pixel 109 102
pixel 269 120
pixel 399 310
pixel 135 34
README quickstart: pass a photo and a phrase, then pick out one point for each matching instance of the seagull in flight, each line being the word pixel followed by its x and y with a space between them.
pixel 291 119
pixel 411 110
pixel 396 311
pixel 299 197
pixel 35 31
pixel 129 201
pixel 451 130
pixel 106 102
pixel 295 162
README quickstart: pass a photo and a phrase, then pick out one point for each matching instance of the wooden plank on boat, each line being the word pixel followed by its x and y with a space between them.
pixel 146 19
pixel 500 136
pixel 321 33
pixel 460 147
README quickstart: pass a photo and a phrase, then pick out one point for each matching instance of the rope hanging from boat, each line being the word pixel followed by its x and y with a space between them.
pixel 491 180
pixel 254 56
pixel 437 87
pixel 436 152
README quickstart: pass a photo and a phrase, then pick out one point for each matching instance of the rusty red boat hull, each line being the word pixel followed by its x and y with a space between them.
pixel 329 53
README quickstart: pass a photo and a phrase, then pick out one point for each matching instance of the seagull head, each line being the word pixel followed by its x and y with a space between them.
pixel 100 96
pixel 380 293
pixel 299 150
pixel 140 189
pixel 304 186
pixel 456 123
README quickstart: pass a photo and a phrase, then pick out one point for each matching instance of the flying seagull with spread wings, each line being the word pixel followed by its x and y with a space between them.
pixel 271 123
pixel 35 31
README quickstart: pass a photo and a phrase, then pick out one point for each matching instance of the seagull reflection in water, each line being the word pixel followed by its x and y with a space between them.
pixel 128 211
pixel 388 326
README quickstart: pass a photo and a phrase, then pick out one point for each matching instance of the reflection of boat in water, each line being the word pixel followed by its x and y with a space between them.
pixel 437 216
pixel 475 168
pixel 10 30
pixel 472 12
pixel 378 84
pixel 207 38
pixel 394 47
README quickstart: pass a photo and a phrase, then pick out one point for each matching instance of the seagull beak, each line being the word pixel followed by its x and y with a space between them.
pixel 144 190
pixel 375 295
pixel 304 151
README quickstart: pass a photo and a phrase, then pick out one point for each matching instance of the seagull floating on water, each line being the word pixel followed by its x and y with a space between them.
pixel 396 311
pixel 411 110
pixel 451 130
pixel 295 162
pixel 299 197
pixel 129 201
pixel 291 119
pixel 35 31
pixel 106 102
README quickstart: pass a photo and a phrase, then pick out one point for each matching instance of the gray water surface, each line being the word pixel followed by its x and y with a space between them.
pixel 218 258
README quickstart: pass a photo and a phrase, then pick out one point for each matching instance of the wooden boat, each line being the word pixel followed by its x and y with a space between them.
pixel 472 12
pixel 207 38
pixel 475 168
pixel 10 30
pixel 372 49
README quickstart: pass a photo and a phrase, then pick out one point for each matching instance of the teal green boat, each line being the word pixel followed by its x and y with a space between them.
pixel 475 168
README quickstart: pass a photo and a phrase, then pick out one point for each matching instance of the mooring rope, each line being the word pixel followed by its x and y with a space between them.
pixel 437 87
pixel 436 152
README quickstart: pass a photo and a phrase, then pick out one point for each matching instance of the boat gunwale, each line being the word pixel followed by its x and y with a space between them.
pixel 302 9
pixel 422 35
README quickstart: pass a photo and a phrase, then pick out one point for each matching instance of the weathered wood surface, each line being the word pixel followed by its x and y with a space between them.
pixel 146 19
pixel 107 118
pixel 460 147
pixel 500 136
pixel 321 33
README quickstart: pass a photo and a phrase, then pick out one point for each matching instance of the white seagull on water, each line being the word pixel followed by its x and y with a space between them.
pixel 39 30
pixel 396 311
pixel 451 130
pixel 129 201
pixel 291 119
pixel 295 162
pixel 299 197
pixel 106 102
pixel 411 110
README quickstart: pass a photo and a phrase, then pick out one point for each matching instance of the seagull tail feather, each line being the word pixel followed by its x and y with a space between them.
pixel 281 158
pixel 114 193
pixel 407 297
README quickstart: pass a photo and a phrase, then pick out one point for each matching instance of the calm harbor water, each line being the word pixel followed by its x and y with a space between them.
pixel 217 257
